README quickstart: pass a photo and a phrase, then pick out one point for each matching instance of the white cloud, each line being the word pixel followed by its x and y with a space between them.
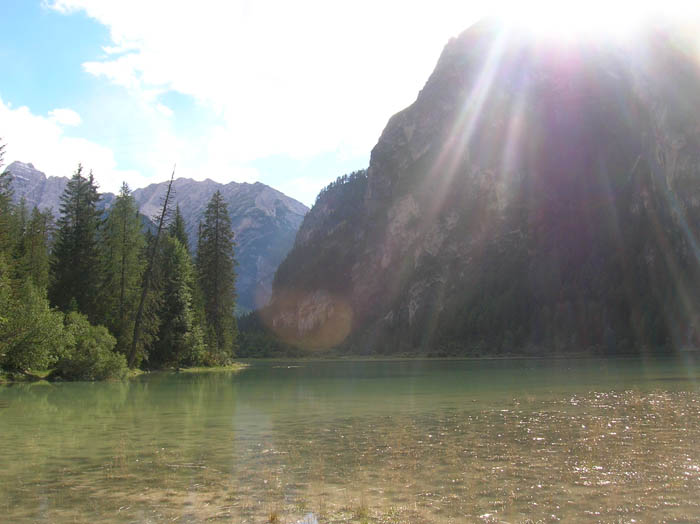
pixel 164 110
pixel 122 70
pixel 296 78
pixel 66 117
pixel 42 141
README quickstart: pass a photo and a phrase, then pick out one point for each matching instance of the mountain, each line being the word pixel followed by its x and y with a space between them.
pixel 39 190
pixel 538 197
pixel 264 220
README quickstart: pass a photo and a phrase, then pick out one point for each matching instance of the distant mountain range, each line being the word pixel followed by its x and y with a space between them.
pixel 264 220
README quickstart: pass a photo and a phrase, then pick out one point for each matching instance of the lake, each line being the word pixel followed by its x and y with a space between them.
pixel 412 441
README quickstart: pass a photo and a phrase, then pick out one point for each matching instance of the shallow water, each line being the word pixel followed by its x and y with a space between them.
pixel 401 441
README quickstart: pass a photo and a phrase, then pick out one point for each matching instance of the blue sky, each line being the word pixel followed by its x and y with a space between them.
pixel 289 94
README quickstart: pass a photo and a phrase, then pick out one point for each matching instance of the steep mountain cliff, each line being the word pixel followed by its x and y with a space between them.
pixel 264 220
pixel 538 196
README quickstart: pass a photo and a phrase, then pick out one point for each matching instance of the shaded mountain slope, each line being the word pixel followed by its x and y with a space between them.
pixel 537 197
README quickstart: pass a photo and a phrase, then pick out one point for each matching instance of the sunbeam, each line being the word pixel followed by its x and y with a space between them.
pixel 595 19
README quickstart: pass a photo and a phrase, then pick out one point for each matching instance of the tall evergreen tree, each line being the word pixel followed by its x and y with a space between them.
pixel 22 214
pixel 123 265
pixel 6 207
pixel 76 259
pixel 180 338
pixel 177 228
pixel 217 277
pixel 152 305
pixel 33 259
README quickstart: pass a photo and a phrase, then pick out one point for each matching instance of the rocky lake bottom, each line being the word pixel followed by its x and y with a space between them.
pixel 399 441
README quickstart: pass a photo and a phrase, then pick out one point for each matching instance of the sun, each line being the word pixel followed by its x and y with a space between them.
pixel 593 19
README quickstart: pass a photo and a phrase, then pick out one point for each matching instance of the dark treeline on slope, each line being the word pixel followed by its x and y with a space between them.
pixel 342 198
pixel 70 288
pixel 352 183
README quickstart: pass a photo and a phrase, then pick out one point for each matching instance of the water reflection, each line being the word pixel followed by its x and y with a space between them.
pixel 413 441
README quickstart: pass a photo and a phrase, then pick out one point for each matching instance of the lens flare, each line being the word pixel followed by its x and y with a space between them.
pixel 593 19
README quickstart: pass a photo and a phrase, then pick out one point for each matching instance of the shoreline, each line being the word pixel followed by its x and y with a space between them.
pixel 387 358
pixel 39 376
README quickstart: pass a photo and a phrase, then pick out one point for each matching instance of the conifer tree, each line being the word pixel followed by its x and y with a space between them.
pixel 6 206
pixel 22 214
pixel 76 260
pixel 180 339
pixel 216 272
pixel 177 228
pixel 123 266
pixel 153 302
pixel 33 260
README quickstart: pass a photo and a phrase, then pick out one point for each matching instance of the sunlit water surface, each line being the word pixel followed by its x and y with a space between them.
pixel 409 441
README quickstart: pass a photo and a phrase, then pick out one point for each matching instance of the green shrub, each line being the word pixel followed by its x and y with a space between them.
pixel 31 333
pixel 90 354
pixel 196 352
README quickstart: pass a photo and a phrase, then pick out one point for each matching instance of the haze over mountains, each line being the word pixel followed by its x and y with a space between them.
pixel 264 220
pixel 539 196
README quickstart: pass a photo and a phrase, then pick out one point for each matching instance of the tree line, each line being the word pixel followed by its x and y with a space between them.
pixel 94 292
pixel 352 178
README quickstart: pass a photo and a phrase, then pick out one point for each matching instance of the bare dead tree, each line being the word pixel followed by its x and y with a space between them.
pixel 149 271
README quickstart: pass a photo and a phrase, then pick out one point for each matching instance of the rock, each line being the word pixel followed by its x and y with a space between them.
pixel 39 190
